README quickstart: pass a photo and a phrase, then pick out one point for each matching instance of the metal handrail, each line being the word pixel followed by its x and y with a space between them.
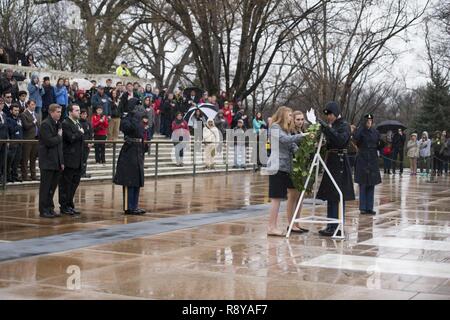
pixel 7 142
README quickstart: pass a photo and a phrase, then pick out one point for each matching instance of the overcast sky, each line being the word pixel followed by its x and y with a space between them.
pixel 412 64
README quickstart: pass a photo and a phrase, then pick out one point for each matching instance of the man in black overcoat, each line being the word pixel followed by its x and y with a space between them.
pixel 337 133
pixel 130 165
pixel 367 173
pixel 51 160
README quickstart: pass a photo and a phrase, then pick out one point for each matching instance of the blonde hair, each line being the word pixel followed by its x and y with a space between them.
pixel 281 117
pixel 295 114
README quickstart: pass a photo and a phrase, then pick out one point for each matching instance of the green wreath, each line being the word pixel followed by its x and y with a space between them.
pixel 303 159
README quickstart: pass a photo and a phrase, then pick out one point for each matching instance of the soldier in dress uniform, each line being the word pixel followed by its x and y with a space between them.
pixel 130 165
pixel 337 133
pixel 367 173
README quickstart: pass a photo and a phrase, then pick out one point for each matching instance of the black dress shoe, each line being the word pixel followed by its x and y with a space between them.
pixel 75 211
pixel 67 211
pixel 142 211
pixel 133 212
pixel 329 232
pixel 371 212
pixel 46 214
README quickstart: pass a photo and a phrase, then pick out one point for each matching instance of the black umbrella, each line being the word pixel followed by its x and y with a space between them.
pixel 19 76
pixel 198 92
pixel 393 125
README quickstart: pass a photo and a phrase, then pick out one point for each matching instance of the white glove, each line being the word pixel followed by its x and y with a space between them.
pixel 311 116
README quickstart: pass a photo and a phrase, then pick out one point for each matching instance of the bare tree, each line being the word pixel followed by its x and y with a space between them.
pixel 161 52
pixel 19 27
pixel 61 47
pixel 108 25
pixel 353 37
pixel 233 38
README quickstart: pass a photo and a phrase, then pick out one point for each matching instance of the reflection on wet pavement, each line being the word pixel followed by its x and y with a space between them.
pixel 401 253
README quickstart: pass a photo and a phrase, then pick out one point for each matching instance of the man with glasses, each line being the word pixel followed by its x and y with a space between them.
pixel 8 98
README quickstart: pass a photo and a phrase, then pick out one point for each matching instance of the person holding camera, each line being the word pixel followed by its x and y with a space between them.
pixel 367 173
pixel 100 126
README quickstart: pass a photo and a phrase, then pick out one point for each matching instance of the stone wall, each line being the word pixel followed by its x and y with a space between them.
pixel 56 74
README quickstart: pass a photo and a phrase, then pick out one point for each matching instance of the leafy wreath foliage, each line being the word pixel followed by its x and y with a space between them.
pixel 303 159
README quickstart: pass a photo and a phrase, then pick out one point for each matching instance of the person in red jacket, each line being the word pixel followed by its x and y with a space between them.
pixel 227 113
pixel 180 132
pixel 100 126
pixel 157 111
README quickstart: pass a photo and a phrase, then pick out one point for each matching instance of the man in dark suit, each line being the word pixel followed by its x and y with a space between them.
pixel 88 135
pixel 51 160
pixel 22 101
pixel 4 134
pixel 73 148
pixel 30 124
pixel 15 149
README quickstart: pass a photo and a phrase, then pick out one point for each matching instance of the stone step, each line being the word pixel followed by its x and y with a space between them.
pixel 148 176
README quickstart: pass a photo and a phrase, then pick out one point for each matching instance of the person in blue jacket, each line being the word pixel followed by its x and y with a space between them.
pixel 36 92
pixel 62 97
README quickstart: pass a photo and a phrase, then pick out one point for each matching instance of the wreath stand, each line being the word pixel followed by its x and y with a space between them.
pixel 317 161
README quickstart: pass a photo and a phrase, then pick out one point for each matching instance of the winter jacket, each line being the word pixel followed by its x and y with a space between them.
pixel 412 149
pixel 100 128
pixel 61 95
pixel 287 147
pixel 35 91
pixel 425 148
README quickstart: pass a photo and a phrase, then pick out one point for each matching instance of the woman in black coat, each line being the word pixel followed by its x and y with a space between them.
pixel 367 173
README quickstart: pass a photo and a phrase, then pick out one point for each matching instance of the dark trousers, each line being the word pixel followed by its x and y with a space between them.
pixel 333 212
pixel 86 152
pixel 63 112
pixel 166 126
pixel 47 188
pixel 29 155
pixel 100 150
pixel 14 157
pixel 2 158
pixel 395 154
pixel 130 198
pixel 44 113
pixel 438 163
pixel 68 184
pixel 366 197
pixel 446 159
pixel 387 163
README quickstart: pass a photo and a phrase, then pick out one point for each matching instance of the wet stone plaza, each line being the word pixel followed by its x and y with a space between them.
pixel 206 238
